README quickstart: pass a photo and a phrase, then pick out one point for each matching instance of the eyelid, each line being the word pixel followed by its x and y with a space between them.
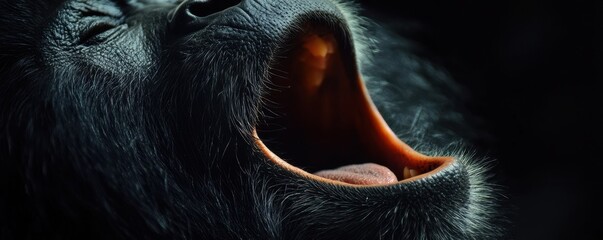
pixel 98 22
pixel 94 31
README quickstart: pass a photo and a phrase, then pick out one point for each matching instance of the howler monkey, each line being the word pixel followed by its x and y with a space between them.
pixel 227 119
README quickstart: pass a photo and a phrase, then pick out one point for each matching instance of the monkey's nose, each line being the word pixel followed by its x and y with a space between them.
pixel 191 14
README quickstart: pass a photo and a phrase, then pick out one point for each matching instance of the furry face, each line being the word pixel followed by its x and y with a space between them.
pixel 227 120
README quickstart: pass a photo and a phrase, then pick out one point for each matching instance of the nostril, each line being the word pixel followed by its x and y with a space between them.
pixel 192 15
pixel 203 8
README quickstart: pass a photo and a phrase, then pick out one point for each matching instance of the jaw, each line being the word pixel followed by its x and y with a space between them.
pixel 320 122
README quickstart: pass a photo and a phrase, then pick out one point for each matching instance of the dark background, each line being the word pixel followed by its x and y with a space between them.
pixel 532 69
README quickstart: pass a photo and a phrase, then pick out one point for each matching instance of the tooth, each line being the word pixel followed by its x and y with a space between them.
pixel 317 46
pixel 311 61
pixel 406 173
pixel 414 172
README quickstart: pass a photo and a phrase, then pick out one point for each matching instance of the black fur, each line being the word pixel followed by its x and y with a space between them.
pixel 148 134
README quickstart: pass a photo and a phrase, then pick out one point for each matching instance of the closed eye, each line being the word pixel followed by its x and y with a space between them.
pixel 99 23
pixel 96 30
pixel 96 13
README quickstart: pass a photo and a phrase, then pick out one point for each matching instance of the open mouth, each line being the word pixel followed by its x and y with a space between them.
pixel 320 121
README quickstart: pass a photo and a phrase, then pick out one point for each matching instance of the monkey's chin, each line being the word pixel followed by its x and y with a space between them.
pixel 320 122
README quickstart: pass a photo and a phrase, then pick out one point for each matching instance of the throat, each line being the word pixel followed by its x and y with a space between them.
pixel 316 124
pixel 320 119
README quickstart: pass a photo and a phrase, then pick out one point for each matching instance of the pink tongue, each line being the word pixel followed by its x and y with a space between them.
pixel 361 174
